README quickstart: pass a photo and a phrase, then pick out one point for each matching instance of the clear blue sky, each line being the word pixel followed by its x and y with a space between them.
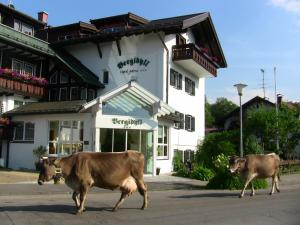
pixel 254 34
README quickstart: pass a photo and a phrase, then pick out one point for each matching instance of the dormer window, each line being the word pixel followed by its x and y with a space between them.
pixel 23 27
pixel 23 67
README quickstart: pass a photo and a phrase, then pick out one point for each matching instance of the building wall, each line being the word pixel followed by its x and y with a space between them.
pixel 21 153
pixel 153 77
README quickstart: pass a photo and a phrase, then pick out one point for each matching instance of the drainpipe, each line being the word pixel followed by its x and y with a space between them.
pixel 167 72
pixel 7 154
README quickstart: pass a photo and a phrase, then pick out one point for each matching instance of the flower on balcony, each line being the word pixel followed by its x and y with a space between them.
pixel 23 77
pixel 204 50
pixel 4 121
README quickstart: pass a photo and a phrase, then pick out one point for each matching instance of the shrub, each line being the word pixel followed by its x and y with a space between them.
pixel 224 180
pixel 215 144
pixel 39 152
pixel 252 145
pixel 221 163
pixel 201 173
pixel 177 161
pixel 182 172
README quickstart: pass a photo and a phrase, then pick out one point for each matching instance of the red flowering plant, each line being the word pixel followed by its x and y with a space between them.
pixel 4 121
pixel 27 78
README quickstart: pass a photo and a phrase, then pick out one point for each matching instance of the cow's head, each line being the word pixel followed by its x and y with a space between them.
pixel 47 170
pixel 236 164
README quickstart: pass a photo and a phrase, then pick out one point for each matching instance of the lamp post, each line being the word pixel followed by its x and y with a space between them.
pixel 239 88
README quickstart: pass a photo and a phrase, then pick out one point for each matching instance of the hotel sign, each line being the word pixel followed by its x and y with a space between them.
pixel 133 65
pixel 127 122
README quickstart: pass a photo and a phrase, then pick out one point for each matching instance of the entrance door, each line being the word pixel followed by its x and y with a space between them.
pixel 117 140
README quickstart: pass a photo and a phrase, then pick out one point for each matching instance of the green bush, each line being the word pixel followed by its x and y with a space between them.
pixel 252 145
pixel 214 144
pixel 224 180
pixel 182 172
pixel 177 161
pixel 39 152
pixel 201 173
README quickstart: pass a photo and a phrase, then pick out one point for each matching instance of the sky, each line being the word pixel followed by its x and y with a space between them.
pixel 254 35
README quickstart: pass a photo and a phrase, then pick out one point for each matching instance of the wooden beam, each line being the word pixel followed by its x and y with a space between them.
pixel 118 46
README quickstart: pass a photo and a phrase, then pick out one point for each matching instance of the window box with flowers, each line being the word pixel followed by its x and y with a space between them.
pixel 13 80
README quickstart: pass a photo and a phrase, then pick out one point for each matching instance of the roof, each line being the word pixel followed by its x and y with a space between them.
pixel 47 108
pixel 78 68
pixel 11 10
pixel 167 25
pixel 127 16
pixel 131 94
pixel 79 24
pixel 18 38
pixel 250 103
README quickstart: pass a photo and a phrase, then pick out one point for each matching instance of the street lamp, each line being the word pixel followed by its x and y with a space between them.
pixel 239 88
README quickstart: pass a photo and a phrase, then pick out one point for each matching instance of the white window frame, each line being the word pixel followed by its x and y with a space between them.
pixel 60 90
pixel 164 144
pixel 23 66
pixel 22 26
pixel 24 132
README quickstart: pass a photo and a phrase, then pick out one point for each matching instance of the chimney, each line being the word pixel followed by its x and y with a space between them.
pixel 43 17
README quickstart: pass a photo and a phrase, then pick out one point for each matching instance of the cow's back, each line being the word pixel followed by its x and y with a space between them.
pixel 264 165
pixel 108 170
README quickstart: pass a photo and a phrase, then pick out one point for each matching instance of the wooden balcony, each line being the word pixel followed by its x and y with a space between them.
pixel 193 60
pixel 11 84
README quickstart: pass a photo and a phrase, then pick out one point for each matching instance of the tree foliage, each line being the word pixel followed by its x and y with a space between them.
pixel 221 108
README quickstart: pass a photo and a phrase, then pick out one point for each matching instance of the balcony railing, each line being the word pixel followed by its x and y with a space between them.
pixel 14 82
pixel 190 51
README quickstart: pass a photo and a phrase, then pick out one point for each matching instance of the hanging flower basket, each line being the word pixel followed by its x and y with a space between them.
pixel 24 87
pixel 17 86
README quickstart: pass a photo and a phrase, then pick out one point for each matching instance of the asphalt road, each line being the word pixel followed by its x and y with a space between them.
pixel 187 205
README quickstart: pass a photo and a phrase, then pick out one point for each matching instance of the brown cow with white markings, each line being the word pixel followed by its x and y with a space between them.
pixel 84 170
pixel 256 166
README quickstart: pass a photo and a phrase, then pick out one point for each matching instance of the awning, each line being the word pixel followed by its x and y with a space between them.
pixel 128 96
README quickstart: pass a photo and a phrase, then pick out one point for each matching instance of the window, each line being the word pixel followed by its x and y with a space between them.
pixel 64 78
pixel 53 78
pixel 24 131
pixel 74 95
pixel 105 77
pixel 53 94
pixel 180 40
pixel 23 67
pixel 189 86
pixel 189 123
pixel 23 27
pixel 179 124
pixel 176 79
pixel 91 94
pixel 83 94
pixel 63 94
pixel 65 137
pixel 162 142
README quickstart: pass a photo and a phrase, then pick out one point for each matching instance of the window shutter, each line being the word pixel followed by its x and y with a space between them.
pixel 172 77
pixel 187 122
pixel 105 77
pixel 180 81
pixel 193 88
pixel 186 80
pixel 181 126
pixel 193 124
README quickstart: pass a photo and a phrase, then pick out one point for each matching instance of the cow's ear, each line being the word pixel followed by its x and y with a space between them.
pixel 241 160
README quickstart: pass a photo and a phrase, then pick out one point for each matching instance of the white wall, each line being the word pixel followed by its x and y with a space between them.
pixel 21 153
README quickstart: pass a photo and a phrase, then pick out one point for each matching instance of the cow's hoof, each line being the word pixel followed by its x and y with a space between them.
pixel 270 193
pixel 252 194
pixel 114 209
pixel 78 212
pixel 240 196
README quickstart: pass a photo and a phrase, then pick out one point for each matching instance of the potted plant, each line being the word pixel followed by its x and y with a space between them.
pixel 38 153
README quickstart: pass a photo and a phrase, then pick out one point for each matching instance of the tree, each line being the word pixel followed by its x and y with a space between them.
pixel 209 119
pixel 266 125
pixel 221 108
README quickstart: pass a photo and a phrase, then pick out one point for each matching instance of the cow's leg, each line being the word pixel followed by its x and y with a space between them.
pixel 143 191
pixel 76 199
pixel 273 184
pixel 277 183
pixel 121 200
pixel 248 180
pixel 252 189
pixel 83 193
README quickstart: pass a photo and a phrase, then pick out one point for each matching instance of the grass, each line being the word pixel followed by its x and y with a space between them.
pixel 9 176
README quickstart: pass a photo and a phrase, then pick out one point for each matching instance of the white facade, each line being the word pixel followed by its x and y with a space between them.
pixel 146 59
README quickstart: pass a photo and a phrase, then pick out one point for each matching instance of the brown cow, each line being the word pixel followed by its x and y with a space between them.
pixel 83 170
pixel 256 166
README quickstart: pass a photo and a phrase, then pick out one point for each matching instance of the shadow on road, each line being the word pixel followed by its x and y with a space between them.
pixel 67 209
pixel 208 195
pixel 159 186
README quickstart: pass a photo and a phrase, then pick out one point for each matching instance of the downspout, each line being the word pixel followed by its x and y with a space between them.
pixel 7 154
pixel 167 72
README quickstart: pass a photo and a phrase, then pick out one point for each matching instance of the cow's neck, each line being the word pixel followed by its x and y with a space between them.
pixel 63 164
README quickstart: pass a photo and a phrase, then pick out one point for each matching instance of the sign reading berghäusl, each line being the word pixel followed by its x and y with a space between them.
pixel 133 65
